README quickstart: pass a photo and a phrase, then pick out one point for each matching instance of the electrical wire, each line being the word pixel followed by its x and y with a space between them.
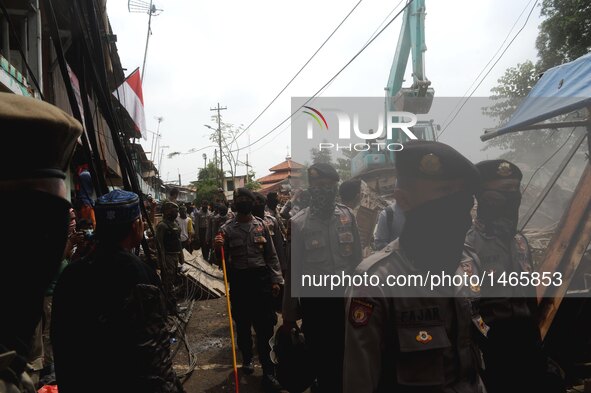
pixel 490 60
pixel 548 159
pixel 331 79
pixel 489 70
pixel 299 72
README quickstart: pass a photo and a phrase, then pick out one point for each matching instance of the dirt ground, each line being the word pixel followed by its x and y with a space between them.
pixel 209 337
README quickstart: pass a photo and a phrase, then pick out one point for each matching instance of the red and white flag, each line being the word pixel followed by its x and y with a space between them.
pixel 131 97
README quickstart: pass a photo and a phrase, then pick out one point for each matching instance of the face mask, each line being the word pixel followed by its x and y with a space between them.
pixel 22 292
pixel 499 210
pixel 322 199
pixel 433 234
pixel 258 210
pixel 244 207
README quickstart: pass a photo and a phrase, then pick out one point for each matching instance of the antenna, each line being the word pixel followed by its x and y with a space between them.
pixel 141 7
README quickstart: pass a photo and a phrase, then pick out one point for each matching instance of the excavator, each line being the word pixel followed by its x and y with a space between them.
pixel 375 167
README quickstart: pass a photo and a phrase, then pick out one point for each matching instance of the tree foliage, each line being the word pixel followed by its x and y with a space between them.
pixel 342 164
pixel 529 147
pixel 207 182
pixel 565 34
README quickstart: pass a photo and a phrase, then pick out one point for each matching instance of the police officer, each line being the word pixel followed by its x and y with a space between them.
pixel 109 306
pixel 324 240
pixel 48 136
pixel 201 220
pixel 509 311
pixel 272 209
pixel 255 277
pixel 168 236
pixel 407 338
pixel 272 224
pixel 388 227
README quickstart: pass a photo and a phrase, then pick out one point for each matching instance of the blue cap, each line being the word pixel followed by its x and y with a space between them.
pixel 117 207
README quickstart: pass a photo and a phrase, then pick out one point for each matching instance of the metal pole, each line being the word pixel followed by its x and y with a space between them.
pixel 218 109
pixel 147 40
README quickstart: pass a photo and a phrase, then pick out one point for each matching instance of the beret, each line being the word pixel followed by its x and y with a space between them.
pixel 244 192
pixel 432 160
pixel 117 207
pixel 498 169
pixel 322 171
pixel 259 198
pixel 45 132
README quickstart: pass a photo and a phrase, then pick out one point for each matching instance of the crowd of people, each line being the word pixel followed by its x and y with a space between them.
pixel 102 311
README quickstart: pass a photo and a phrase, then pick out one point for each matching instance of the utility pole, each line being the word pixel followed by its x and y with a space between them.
pixel 204 161
pixel 247 170
pixel 218 109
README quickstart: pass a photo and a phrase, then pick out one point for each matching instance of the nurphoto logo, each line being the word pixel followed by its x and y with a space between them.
pixel 402 121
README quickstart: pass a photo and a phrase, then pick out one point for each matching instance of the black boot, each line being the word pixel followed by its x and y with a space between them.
pixel 248 366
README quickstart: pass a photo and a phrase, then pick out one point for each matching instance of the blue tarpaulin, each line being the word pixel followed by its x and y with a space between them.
pixel 560 90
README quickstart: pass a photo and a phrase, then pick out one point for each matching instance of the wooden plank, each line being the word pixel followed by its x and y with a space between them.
pixel 566 249
pixel 207 276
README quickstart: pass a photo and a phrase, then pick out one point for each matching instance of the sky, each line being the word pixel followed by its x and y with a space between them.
pixel 241 54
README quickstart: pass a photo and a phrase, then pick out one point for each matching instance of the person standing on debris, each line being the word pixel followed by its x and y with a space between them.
pixel 513 349
pixel 202 217
pixel 48 135
pixel 255 277
pixel 171 251
pixel 324 240
pixel 398 339
pixel 109 313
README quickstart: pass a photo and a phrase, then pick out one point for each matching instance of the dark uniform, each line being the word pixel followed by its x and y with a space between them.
pixel 510 311
pixel 47 136
pixel 321 243
pixel 253 268
pixel 109 314
pixel 171 253
pixel 408 338
pixel 217 220
pixel 201 224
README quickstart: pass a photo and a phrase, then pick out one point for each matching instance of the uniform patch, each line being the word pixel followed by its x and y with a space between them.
pixel 481 325
pixel 430 164
pixel 423 337
pixel 504 169
pixel 344 219
pixel 360 311
pixel 466 267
